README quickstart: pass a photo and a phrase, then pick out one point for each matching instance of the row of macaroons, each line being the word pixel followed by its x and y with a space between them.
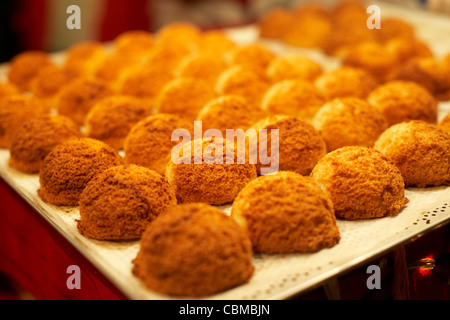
pixel 392 51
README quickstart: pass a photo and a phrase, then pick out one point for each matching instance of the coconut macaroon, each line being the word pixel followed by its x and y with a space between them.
pixel 221 113
pixel 184 97
pixel 431 73
pixel 349 122
pixel 444 124
pixel 361 182
pixel 193 250
pixel 70 166
pixel 286 213
pixel 420 150
pixel 49 81
pixel 405 49
pixel 24 67
pixel 293 97
pixel 112 118
pixel 293 66
pixel 82 57
pixel 394 28
pixel 242 82
pixel 120 202
pixel 202 170
pixel 133 44
pixel 216 42
pixel 345 82
pixel 275 23
pixel 77 98
pixel 8 89
pixel 404 100
pixel 14 111
pixel 206 67
pixel 149 142
pixel 297 146
pixel 34 140
pixel 254 57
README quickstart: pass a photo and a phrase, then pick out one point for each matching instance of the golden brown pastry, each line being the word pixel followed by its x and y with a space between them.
pixel 14 111
pixel 79 97
pixel 134 44
pixel 444 124
pixel 420 150
pixel 286 213
pixel 184 97
pixel 362 183
pixel 404 100
pixel 35 138
pixel 112 118
pixel 253 57
pixel 242 82
pixel 275 23
pixel 82 58
pixel 193 250
pixel 149 142
pixel 405 49
pixel 216 42
pixel 24 67
pixel 394 28
pixel 293 97
pixel 206 173
pixel 349 122
pixel 293 66
pixel 229 112
pixel 120 202
pixel 70 166
pixel 8 89
pixel 205 67
pixel 345 82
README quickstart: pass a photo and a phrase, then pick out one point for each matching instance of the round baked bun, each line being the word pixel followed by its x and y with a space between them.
pixel 34 140
pixel 404 100
pixel 120 202
pixel 420 150
pixel 349 122
pixel 193 250
pixel 70 166
pixel 299 145
pixel 149 142
pixel 214 178
pixel 24 67
pixel 361 182
pixel 285 213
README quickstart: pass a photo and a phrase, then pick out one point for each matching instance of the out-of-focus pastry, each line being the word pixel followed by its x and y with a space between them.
pixel 70 166
pixel 373 58
pixel 149 142
pixel 49 81
pixel 77 98
pixel 35 138
pixel 361 182
pixel 405 49
pixel 286 213
pixel 299 145
pixel 444 124
pixel 349 122
pixel 242 82
pixel 345 82
pixel 110 68
pixel 178 33
pixel 14 111
pixel 216 42
pixel 193 250
pixel 184 97
pixel 420 150
pixel 112 118
pixel 120 202
pixel 275 23
pixel 8 89
pixel 82 58
pixel 404 100
pixel 134 44
pixel 204 172
pixel 220 113
pixel 293 97
pixel 431 73
pixel 253 57
pixel 205 67
pixel 24 67
pixel 308 31
pixel 394 28
pixel 293 66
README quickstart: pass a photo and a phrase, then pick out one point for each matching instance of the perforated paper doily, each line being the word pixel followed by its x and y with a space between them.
pixel 276 276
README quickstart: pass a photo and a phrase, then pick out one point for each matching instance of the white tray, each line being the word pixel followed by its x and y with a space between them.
pixel 276 276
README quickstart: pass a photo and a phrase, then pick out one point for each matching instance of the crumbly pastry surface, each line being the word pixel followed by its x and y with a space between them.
pixel 420 150
pixel 362 183
pixel 70 166
pixel 149 142
pixel 349 122
pixel 120 202
pixel 444 124
pixel 34 140
pixel 193 250
pixel 285 213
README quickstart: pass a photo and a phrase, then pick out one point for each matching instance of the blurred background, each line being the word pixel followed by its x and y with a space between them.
pixel 41 24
